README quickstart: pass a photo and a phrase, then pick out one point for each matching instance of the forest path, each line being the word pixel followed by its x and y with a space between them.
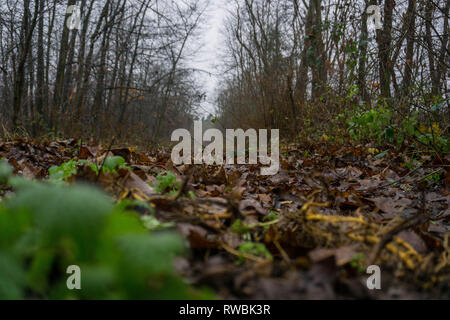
pixel 309 231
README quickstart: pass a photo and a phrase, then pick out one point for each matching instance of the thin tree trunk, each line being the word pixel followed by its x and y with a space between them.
pixel 411 27
pixel 61 67
pixel 28 25
pixel 429 10
pixel 40 75
pixel 363 43
pixel 384 38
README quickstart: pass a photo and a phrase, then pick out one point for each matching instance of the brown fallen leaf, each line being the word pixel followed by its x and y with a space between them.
pixel 132 181
pixel 391 206
pixel 251 204
pixel 125 153
pixel 414 240
pixel 85 153
pixel 198 237
pixel 342 255
pixel 265 198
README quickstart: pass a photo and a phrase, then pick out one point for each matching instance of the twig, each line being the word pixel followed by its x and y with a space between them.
pixel 240 254
pixel 185 183
pixel 403 225
pixel 282 252
pixel 395 182
pixel 81 146
pixel 407 175
pixel 104 159
pixel 429 175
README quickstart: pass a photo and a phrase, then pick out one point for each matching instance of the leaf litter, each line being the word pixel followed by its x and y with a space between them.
pixel 308 232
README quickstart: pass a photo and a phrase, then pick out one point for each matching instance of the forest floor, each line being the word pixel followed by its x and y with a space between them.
pixel 308 232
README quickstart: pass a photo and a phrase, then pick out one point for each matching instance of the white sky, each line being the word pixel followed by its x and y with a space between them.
pixel 211 46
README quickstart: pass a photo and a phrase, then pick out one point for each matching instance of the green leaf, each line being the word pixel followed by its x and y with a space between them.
pixel 255 248
pixel 381 155
pixel 167 182
pixel 64 171
pixel 12 277
pixel 389 133
pixel 6 171
pixel 151 223
pixel 112 163
pixel 44 228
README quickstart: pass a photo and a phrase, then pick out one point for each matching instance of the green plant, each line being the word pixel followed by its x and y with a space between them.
pixel 5 171
pixel 356 262
pixel 167 182
pixel 70 168
pixel 411 163
pixel 64 171
pixel 151 223
pixel 112 164
pixel 353 90
pixel 191 194
pixel 240 228
pixel 431 139
pixel 273 215
pixel 44 228
pixel 377 124
pixel 372 124
pixel 434 178
pixel 255 249
pixel 94 167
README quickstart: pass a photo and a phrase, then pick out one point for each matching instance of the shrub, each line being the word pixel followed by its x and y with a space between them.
pixel 377 124
pixel 372 124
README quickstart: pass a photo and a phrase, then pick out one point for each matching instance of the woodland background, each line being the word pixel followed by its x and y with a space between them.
pixel 289 64
pixel 86 177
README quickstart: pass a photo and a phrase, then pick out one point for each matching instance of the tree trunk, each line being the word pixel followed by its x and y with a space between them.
pixel 60 69
pixel 384 39
pixel 40 75
pixel 429 10
pixel 411 26
pixel 363 43
pixel 319 73
pixel 28 26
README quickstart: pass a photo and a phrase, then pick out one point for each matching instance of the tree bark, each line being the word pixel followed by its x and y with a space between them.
pixel 411 27
pixel 384 39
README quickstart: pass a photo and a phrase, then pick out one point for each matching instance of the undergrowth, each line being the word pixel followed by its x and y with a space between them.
pixel 46 227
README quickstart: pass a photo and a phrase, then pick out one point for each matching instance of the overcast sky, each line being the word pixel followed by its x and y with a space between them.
pixel 211 42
